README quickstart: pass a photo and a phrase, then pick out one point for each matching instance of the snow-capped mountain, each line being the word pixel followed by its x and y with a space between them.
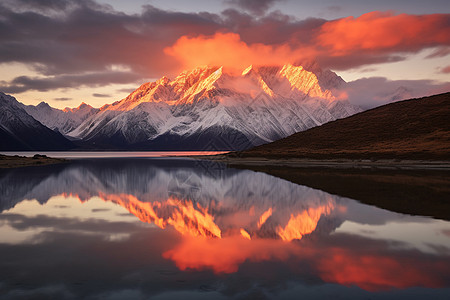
pixel 210 108
pixel 64 120
pixel 20 131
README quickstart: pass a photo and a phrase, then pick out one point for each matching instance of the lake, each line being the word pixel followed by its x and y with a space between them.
pixel 177 228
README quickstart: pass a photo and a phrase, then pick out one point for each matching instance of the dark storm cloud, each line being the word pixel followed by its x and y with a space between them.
pixel 43 4
pixel 274 28
pixel 24 83
pixel 256 7
pixel 86 38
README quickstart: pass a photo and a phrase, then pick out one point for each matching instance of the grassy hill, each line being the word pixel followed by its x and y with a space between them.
pixel 409 129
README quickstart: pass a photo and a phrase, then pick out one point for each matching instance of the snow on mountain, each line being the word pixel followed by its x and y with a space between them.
pixel 210 108
pixel 64 120
pixel 20 131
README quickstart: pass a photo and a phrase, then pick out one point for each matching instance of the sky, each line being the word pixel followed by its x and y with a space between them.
pixel 97 51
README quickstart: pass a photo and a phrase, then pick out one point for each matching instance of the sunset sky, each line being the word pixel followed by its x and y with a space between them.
pixel 97 51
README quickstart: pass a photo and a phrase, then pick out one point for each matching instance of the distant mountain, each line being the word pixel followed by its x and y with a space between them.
pixel 410 129
pixel 210 109
pixel 64 120
pixel 20 131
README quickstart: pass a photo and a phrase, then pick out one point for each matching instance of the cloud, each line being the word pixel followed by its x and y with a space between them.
pixel 62 99
pixel 43 6
pixel 101 95
pixel 384 32
pixel 125 90
pixel 256 7
pixel 445 70
pixel 376 91
pixel 340 44
pixel 85 37
pixel 439 52
pixel 75 39
pixel 228 50
pixel 25 83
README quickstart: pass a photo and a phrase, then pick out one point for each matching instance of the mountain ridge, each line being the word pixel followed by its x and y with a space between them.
pixel 206 108
pixel 20 131
pixel 62 120
pixel 261 104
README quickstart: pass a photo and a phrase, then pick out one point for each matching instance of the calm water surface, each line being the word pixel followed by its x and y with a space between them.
pixel 159 228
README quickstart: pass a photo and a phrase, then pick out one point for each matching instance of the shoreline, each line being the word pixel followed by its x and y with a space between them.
pixel 16 161
pixel 443 165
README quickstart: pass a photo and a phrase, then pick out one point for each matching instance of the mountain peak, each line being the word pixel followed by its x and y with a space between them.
pixel 163 81
pixel 82 106
pixel 304 81
pixel 246 71
pixel 43 104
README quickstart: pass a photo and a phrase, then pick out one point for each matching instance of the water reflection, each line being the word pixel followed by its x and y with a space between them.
pixel 199 231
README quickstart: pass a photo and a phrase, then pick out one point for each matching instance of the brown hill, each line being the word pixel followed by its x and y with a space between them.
pixel 410 129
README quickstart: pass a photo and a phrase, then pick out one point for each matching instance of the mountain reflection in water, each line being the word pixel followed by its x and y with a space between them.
pixel 204 230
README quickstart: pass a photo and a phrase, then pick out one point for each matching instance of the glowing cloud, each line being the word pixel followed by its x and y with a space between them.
pixel 228 50
pixel 379 32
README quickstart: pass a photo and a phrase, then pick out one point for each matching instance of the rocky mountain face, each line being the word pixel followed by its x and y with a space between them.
pixel 210 109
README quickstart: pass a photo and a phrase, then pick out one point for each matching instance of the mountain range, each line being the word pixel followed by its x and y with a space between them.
pixel 206 108
pixel 20 131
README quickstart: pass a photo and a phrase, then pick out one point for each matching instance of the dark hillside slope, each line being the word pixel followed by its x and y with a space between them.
pixel 410 129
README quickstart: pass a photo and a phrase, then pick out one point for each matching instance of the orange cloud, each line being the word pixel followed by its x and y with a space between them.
pixel 384 32
pixel 228 50
pixel 445 70
pixel 371 38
